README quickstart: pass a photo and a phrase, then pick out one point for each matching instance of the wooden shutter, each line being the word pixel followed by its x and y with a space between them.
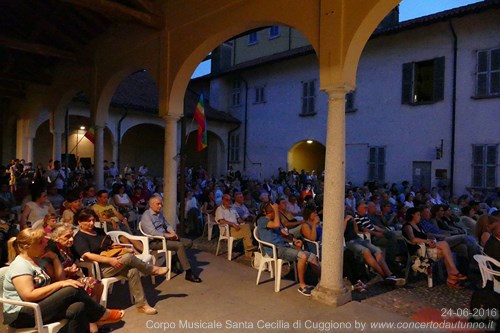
pixel 407 84
pixel 438 84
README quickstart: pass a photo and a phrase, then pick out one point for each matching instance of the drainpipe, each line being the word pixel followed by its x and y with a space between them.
pixel 120 139
pixel 245 125
pixel 453 107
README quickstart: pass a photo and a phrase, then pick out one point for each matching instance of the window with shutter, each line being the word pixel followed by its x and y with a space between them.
pixel 308 98
pixel 484 165
pixel 234 148
pixel 260 95
pixel 488 73
pixel 423 82
pixel 236 93
pixel 376 164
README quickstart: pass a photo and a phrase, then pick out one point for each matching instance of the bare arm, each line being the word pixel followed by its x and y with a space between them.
pixel 275 223
pixel 28 292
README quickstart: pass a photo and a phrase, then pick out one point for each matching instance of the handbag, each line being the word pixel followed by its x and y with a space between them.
pixel 422 264
pixel 116 252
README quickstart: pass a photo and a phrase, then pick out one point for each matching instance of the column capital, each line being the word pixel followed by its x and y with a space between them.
pixel 337 91
pixel 171 118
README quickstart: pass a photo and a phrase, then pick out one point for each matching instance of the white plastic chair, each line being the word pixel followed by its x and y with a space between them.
pixel 225 234
pixel 266 263
pixel 156 253
pixel 487 267
pixel 209 224
pixel 94 271
pixel 317 245
pixel 39 327
pixel 145 255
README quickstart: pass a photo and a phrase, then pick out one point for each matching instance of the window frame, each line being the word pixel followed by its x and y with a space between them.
pixel 376 165
pixel 260 94
pixel 308 98
pixel 410 82
pixel 277 34
pixel 236 93
pixel 253 38
pixel 484 165
pixel 234 148
pixel 488 72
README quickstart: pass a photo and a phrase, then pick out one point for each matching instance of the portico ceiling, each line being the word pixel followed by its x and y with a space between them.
pixel 37 35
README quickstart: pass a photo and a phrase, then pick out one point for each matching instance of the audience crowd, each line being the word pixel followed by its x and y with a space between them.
pixel 383 225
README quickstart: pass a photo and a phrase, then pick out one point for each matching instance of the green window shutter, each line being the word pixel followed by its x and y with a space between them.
pixel 407 84
pixel 438 83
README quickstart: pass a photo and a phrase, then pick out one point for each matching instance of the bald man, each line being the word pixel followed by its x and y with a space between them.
pixel 225 214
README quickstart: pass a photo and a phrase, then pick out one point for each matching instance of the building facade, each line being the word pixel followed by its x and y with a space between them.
pixel 426 107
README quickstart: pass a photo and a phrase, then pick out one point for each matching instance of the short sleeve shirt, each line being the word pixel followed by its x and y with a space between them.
pixel 228 214
pixel 17 268
pixel 272 236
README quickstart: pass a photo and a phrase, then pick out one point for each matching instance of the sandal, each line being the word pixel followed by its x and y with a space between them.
pixel 360 286
pixel 458 276
pixel 114 317
pixel 454 284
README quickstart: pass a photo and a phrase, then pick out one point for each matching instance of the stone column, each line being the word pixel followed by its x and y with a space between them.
pixel 30 154
pixel 99 157
pixel 331 289
pixel 56 145
pixel 170 170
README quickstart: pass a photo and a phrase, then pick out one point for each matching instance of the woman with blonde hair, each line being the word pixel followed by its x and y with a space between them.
pixel 26 281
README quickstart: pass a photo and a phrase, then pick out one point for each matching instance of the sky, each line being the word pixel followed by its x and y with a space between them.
pixel 408 9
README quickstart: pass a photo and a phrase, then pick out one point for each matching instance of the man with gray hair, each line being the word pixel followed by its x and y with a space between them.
pixel 154 223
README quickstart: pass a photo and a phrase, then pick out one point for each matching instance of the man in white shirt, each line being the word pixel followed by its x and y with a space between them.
pixel 225 214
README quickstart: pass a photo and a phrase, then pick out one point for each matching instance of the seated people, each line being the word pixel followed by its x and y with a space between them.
pixel 192 214
pixel 73 204
pixel 26 281
pixel 381 237
pixel 60 243
pixel 288 220
pixel 7 230
pixel 121 200
pixel 108 214
pixel 154 223
pixel 437 212
pixel 49 223
pixel 270 231
pixel 492 246
pixel 468 219
pixel 292 206
pixel 465 246
pixel 37 208
pixel 436 250
pixel 139 199
pixel 372 255
pixel 90 242
pixel 242 210
pixel 311 228
pixel 225 214
pixel 483 228
pixel 89 197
